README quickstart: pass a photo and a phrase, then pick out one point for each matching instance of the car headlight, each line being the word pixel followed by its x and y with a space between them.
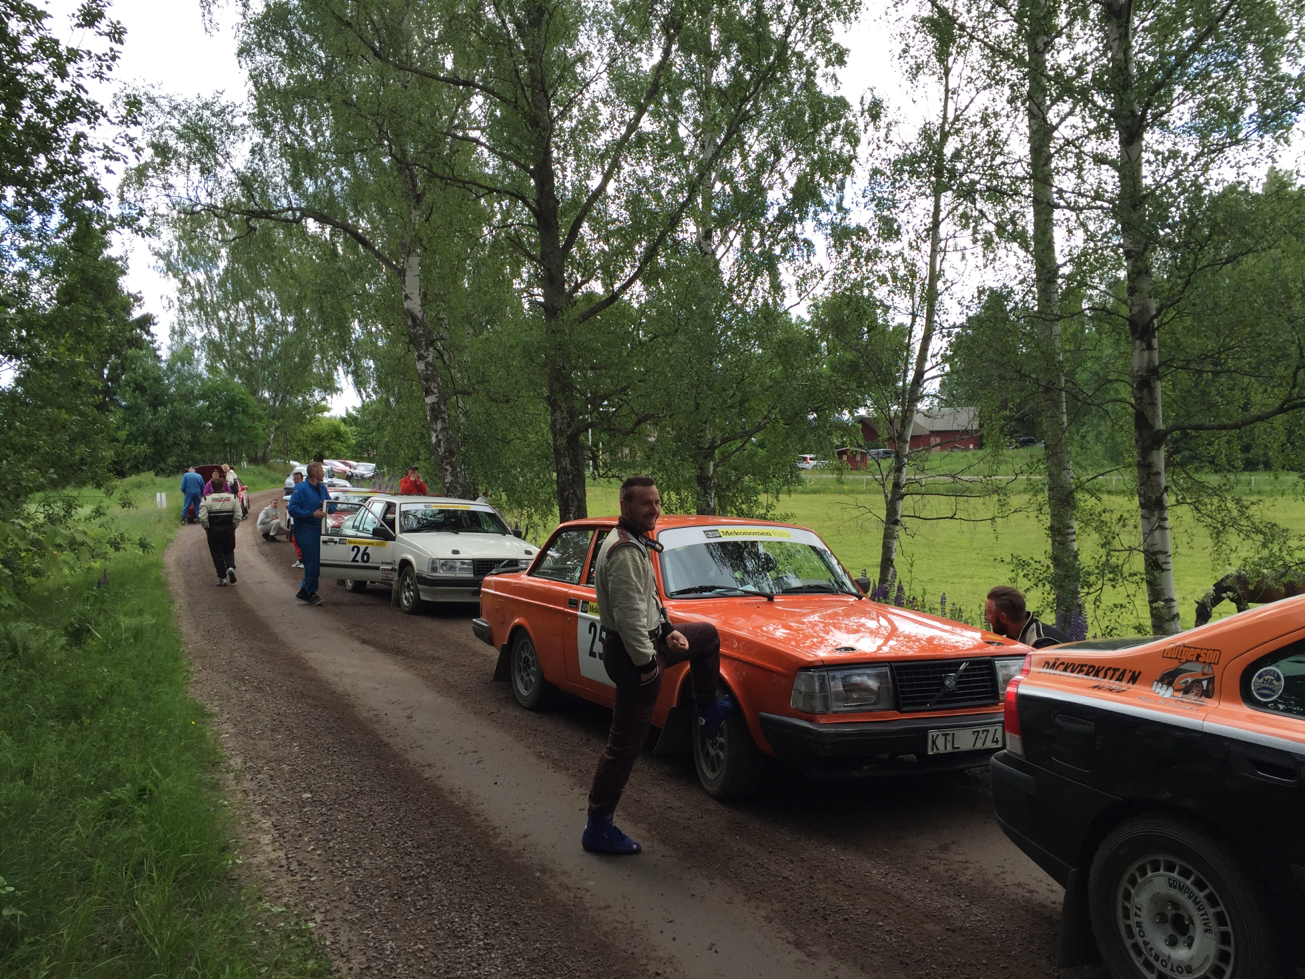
pixel 1008 667
pixel 845 690
pixel 454 567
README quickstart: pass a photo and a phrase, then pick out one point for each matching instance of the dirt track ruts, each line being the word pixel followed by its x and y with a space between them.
pixel 431 827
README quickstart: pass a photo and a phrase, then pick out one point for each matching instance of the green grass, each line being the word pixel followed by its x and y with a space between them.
pixel 964 559
pixel 116 847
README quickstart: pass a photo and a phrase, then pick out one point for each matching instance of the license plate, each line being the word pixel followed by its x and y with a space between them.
pixel 965 739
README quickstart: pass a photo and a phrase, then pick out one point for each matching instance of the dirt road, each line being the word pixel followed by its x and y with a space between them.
pixel 432 828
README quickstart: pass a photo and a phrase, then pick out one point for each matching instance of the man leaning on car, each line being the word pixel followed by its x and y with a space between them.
pixel 639 642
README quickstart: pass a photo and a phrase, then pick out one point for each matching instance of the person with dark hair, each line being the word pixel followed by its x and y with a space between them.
pixel 1007 616
pixel 219 514
pixel 309 503
pixel 412 484
pixel 639 642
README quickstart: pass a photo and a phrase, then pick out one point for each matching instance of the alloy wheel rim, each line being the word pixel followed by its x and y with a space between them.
pixel 409 589
pixel 1172 920
pixel 527 668
pixel 713 753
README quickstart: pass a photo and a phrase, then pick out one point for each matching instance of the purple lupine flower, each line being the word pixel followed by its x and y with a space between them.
pixel 1078 625
pixel 900 598
pixel 942 605
pixel 104 579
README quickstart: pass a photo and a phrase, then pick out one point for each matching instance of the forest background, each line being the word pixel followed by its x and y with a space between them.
pixel 553 244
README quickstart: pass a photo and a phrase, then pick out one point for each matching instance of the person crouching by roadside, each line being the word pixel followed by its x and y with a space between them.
pixel 219 514
pixel 270 524
pixel 309 503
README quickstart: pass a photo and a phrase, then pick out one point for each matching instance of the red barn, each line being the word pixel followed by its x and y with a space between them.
pixel 935 430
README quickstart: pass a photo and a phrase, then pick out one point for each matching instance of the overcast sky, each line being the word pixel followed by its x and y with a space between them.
pixel 168 48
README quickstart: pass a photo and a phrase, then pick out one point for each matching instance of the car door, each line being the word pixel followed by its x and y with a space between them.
pixel 340 559
pixel 368 546
pixel 584 646
pixel 550 591
pixel 1257 734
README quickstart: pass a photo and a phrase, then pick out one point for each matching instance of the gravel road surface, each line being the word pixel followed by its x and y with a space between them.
pixel 430 827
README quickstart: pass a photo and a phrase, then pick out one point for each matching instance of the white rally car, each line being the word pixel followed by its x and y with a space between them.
pixel 434 548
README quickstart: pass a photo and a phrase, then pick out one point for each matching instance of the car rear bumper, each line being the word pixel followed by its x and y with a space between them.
pixel 877 745
pixel 482 631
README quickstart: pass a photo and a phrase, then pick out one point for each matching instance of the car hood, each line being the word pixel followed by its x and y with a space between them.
pixel 832 629
pixel 480 546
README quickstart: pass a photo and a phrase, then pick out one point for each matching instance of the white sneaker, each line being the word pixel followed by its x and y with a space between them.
pixel 297 564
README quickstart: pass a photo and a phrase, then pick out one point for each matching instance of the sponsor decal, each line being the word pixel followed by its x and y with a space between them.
pixel 1092 671
pixel 746 532
pixel 1267 684
pixel 1191 654
pixel 365 542
pixel 1108 688
pixel 1191 679
pixel 588 608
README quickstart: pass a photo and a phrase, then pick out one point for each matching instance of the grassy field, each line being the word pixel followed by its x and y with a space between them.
pixel 117 849
pixel 963 559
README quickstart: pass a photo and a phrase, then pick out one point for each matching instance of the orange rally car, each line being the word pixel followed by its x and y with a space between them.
pixel 1162 782
pixel 825 679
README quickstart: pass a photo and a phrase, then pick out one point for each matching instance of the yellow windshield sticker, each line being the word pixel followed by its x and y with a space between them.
pixel 723 532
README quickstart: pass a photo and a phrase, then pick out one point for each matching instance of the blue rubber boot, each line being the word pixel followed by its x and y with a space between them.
pixel 711 717
pixel 602 837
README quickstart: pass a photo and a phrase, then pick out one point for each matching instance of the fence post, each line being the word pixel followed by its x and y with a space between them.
pixel 161 500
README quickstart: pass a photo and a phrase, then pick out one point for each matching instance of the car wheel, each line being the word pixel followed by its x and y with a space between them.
pixel 729 764
pixel 529 687
pixel 1166 900
pixel 409 598
pixel 355 586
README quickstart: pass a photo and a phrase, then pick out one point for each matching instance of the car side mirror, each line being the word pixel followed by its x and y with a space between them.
pixel 518 533
pixel 383 532
pixel 865 584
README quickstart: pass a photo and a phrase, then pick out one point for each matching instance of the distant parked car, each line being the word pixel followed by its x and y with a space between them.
pixel 1027 442
pixel 879 453
pixel 332 482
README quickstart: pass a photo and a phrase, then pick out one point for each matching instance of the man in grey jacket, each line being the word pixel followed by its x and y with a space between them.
pixel 639 643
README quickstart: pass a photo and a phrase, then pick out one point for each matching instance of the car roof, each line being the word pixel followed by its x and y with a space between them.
pixel 434 500
pixel 673 521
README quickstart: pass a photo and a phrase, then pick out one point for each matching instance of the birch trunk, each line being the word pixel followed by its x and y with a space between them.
pixel 706 480
pixel 1148 420
pixel 453 480
pixel 915 385
pixel 1046 272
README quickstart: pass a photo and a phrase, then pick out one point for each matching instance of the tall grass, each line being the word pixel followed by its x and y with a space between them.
pixel 116 847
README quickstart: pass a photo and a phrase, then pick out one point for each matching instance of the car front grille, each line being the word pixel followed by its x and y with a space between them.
pixel 483 566
pixel 921 686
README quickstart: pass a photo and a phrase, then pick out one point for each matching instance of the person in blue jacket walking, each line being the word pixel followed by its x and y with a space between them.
pixel 308 504
pixel 192 487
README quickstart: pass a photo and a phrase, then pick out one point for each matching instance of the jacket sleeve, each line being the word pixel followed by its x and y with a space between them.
pixel 203 513
pixel 625 574
pixel 296 506
pixel 237 511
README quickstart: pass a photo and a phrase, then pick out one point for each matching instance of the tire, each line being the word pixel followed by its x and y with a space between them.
pixel 525 674
pixel 354 586
pixel 409 597
pixel 729 764
pixel 1166 900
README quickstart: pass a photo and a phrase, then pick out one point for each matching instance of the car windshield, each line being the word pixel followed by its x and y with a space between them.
pixel 435 518
pixel 713 561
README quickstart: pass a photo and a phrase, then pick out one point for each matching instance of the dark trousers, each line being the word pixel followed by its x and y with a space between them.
pixel 632 712
pixel 222 547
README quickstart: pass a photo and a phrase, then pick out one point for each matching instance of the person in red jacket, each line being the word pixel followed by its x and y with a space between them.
pixel 411 484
